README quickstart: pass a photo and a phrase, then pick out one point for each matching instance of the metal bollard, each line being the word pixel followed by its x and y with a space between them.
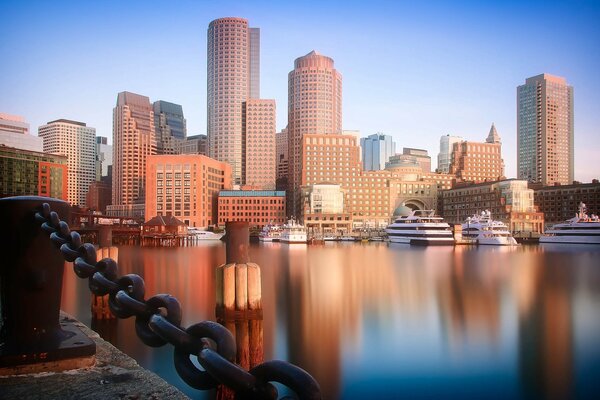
pixel 30 290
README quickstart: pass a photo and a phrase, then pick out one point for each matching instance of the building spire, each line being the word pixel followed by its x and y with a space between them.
pixel 493 136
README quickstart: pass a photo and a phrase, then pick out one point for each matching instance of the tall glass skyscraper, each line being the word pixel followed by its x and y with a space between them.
pixel 545 130
pixel 376 151
pixel 233 77
pixel 445 154
pixel 169 125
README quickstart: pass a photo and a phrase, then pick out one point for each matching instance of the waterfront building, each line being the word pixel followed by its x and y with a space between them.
pixel 421 156
pixel 14 132
pixel 478 162
pixel 77 141
pixel 258 143
pixel 324 211
pixel 32 173
pixel 281 155
pixel 376 151
pixel 561 202
pixel 186 187
pixel 104 156
pixel 510 201
pixel 133 142
pixel 314 107
pixel 134 211
pixel 233 63
pixel 169 126
pixel 196 144
pixel 445 154
pixel 257 207
pixel 99 196
pixel 545 130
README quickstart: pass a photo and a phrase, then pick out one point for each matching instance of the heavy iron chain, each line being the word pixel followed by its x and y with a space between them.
pixel 158 319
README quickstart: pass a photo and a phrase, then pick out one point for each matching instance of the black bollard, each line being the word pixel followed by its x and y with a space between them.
pixel 31 276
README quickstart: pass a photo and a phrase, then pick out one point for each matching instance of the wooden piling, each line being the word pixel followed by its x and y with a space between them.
pixel 99 304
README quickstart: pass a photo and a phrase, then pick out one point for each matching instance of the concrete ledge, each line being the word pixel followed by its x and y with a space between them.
pixel 114 376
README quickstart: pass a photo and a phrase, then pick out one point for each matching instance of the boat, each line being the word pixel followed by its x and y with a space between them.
pixel 270 233
pixel 347 239
pixel 293 232
pixel 420 227
pixel 330 238
pixel 199 234
pixel 581 229
pixel 376 239
pixel 482 229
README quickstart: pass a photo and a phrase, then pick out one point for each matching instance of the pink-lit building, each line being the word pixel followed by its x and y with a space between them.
pixel 257 207
pixel 133 142
pixel 186 187
pixel 233 77
pixel 314 107
pixel 258 117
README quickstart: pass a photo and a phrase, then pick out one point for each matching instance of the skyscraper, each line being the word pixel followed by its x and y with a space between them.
pixel 104 157
pixel 314 107
pixel 133 141
pixel 258 143
pixel 476 161
pixel 169 125
pixel 445 154
pixel 545 130
pixel 78 142
pixel 233 63
pixel 376 151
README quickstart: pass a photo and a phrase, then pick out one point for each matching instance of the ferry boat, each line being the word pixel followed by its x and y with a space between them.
pixel 420 227
pixel 293 232
pixel 199 234
pixel 482 229
pixel 270 233
pixel 581 229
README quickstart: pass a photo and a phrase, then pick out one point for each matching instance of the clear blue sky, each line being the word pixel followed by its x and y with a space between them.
pixel 414 71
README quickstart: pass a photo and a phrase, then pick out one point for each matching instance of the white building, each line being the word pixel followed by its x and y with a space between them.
pixel 14 132
pixel 445 154
pixel 78 142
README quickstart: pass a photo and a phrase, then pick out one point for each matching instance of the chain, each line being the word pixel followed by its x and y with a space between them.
pixel 158 322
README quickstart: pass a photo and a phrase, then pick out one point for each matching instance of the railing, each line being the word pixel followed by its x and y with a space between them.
pixel 158 322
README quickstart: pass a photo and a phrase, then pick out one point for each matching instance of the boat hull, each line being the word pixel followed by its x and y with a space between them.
pixel 564 239
pixel 428 241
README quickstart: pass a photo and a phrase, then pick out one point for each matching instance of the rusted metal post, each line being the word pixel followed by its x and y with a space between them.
pixel 238 240
pixel 31 275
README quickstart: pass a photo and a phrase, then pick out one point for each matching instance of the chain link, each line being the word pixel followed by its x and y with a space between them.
pixel 158 319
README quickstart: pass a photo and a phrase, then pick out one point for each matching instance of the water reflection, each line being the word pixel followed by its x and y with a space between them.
pixel 387 321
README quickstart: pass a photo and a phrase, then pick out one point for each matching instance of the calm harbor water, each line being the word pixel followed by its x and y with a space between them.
pixel 385 321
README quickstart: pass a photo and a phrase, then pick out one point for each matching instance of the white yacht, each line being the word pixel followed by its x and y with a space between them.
pixel 199 234
pixel 293 232
pixel 270 233
pixel 482 229
pixel 581 229
pixel 420 227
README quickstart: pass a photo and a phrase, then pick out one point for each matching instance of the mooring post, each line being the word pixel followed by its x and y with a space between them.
pixel 238 302
pixel 99 304
pixel 31 275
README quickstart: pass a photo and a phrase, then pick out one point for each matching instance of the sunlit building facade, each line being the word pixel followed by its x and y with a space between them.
pixel 258 143
pixel 257 207
pixel 14 132
pixel 478 162
pixel 545 130
pixel 77 142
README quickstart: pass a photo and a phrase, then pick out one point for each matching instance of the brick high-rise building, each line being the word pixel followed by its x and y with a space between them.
pixel 78 142
pixel 133 141
pixel 314 107
pixel 545 130
pixel 233 77
pixel 478 162
pixel 258 143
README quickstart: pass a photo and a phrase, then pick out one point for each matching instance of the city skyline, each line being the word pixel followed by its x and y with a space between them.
pixel 413 72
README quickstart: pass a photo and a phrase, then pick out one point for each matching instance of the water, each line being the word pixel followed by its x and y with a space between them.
pixel 387 321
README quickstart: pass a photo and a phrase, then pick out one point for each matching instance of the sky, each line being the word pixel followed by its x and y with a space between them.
pixel 413 70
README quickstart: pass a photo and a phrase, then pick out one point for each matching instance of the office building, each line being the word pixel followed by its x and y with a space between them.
pixel 78 142
pixel 169 125
pixel 561 202
pixel 14 132
pixel 257 207
pixel 133 141
pixel 31 173
pixel 478 162
pixel 509 201
pixel 421 156
pixel 281 155
pixel 314 107
pixel 104 156
pixel 545 130
pixel 196 144
pixel 186 187
pixel 445 154
pixel 376 151
pixel 258 143
pixel 99 196
pixel 233 77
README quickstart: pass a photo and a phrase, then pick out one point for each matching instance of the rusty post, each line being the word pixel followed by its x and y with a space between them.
pixel 238 240
pixel 31 275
